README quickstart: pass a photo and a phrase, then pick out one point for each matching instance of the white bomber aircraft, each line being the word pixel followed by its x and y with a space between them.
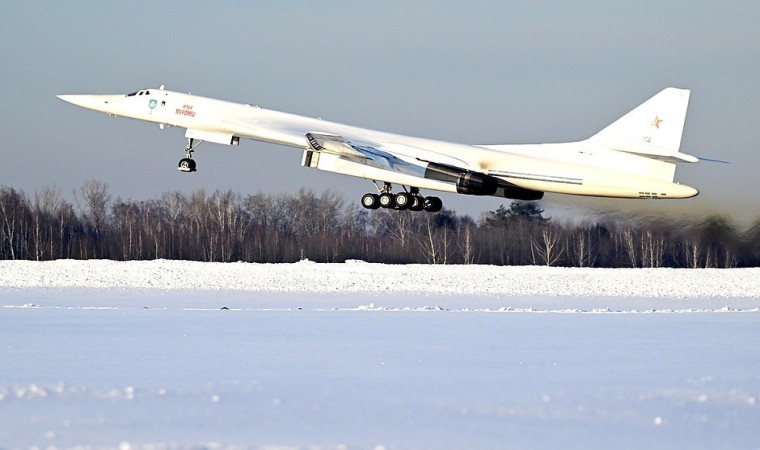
pixel 634 157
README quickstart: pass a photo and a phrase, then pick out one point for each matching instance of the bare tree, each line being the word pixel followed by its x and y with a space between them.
pixel 45 206
pixel 628 236
pixel 92 201
pixel 399 225
pixel 200 244
pixel 581 247
pixel 14 213
pixel 126 226
pixel 153 219
pixel 730 259
pixel 270 223
pixel 548 246
pixel 692 252
pixel 429 241
pixel 66 224
pixel 466 240
pixel 228 218
pixel 652 249
pixel 175 205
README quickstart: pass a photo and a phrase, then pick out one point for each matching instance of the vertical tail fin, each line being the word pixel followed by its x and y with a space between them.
pixel 653 129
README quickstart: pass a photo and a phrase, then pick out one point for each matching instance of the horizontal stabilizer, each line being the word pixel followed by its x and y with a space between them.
pixel 714 160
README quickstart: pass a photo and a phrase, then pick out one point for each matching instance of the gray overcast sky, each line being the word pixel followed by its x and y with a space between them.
pixel 469 71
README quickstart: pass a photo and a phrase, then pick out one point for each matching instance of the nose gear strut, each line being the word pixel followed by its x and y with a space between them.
pixel 187 164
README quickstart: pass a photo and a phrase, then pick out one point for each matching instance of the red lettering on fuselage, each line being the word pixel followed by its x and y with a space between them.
pixel 186 110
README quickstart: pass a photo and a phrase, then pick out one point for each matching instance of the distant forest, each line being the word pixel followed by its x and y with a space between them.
pixel 322 227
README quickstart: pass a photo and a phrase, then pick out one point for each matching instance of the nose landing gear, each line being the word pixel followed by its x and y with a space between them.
pixel 187 164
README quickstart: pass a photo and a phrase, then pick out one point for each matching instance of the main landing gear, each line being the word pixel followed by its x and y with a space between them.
pixel 187 164
pixel 411 200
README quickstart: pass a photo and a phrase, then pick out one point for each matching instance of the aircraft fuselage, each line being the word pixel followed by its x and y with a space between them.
pixel 589 167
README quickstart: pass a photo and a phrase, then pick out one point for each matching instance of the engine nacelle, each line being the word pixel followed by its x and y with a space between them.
pixel 519 193
pixel 467 181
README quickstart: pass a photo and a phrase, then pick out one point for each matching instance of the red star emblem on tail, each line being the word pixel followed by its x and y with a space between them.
pixel 656 122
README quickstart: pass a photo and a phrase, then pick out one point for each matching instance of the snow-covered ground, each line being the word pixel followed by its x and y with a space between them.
pixel 162 354
pixel 361 277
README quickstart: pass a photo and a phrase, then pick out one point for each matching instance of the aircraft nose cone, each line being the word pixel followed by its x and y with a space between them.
pixel 68 98
pixel 104 103
pixel 74 99
pixel 85 101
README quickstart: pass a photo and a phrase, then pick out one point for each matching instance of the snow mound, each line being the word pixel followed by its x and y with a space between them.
pixel 381 279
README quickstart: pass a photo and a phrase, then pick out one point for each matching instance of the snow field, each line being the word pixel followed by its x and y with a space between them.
pixel 361 277
pixel 107 355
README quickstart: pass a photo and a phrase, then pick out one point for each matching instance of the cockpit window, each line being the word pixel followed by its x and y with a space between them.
pixel 143 92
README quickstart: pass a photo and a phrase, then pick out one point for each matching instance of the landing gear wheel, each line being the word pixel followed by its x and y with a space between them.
pixel 417 203
pixel 386 200
pixel 186 165
pixel 371 201
pixel 432 204
pixel 403 200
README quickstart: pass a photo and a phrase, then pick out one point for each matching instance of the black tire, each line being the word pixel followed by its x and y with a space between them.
pixel 371 201
pixel 186 165
pixel 403 200
pixel 433 204
pixel 386 200
pixel 417 203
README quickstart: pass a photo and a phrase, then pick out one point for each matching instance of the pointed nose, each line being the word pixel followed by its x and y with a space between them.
pixel 103 103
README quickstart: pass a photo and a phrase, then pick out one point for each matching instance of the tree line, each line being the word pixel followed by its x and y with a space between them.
pixel 225 226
